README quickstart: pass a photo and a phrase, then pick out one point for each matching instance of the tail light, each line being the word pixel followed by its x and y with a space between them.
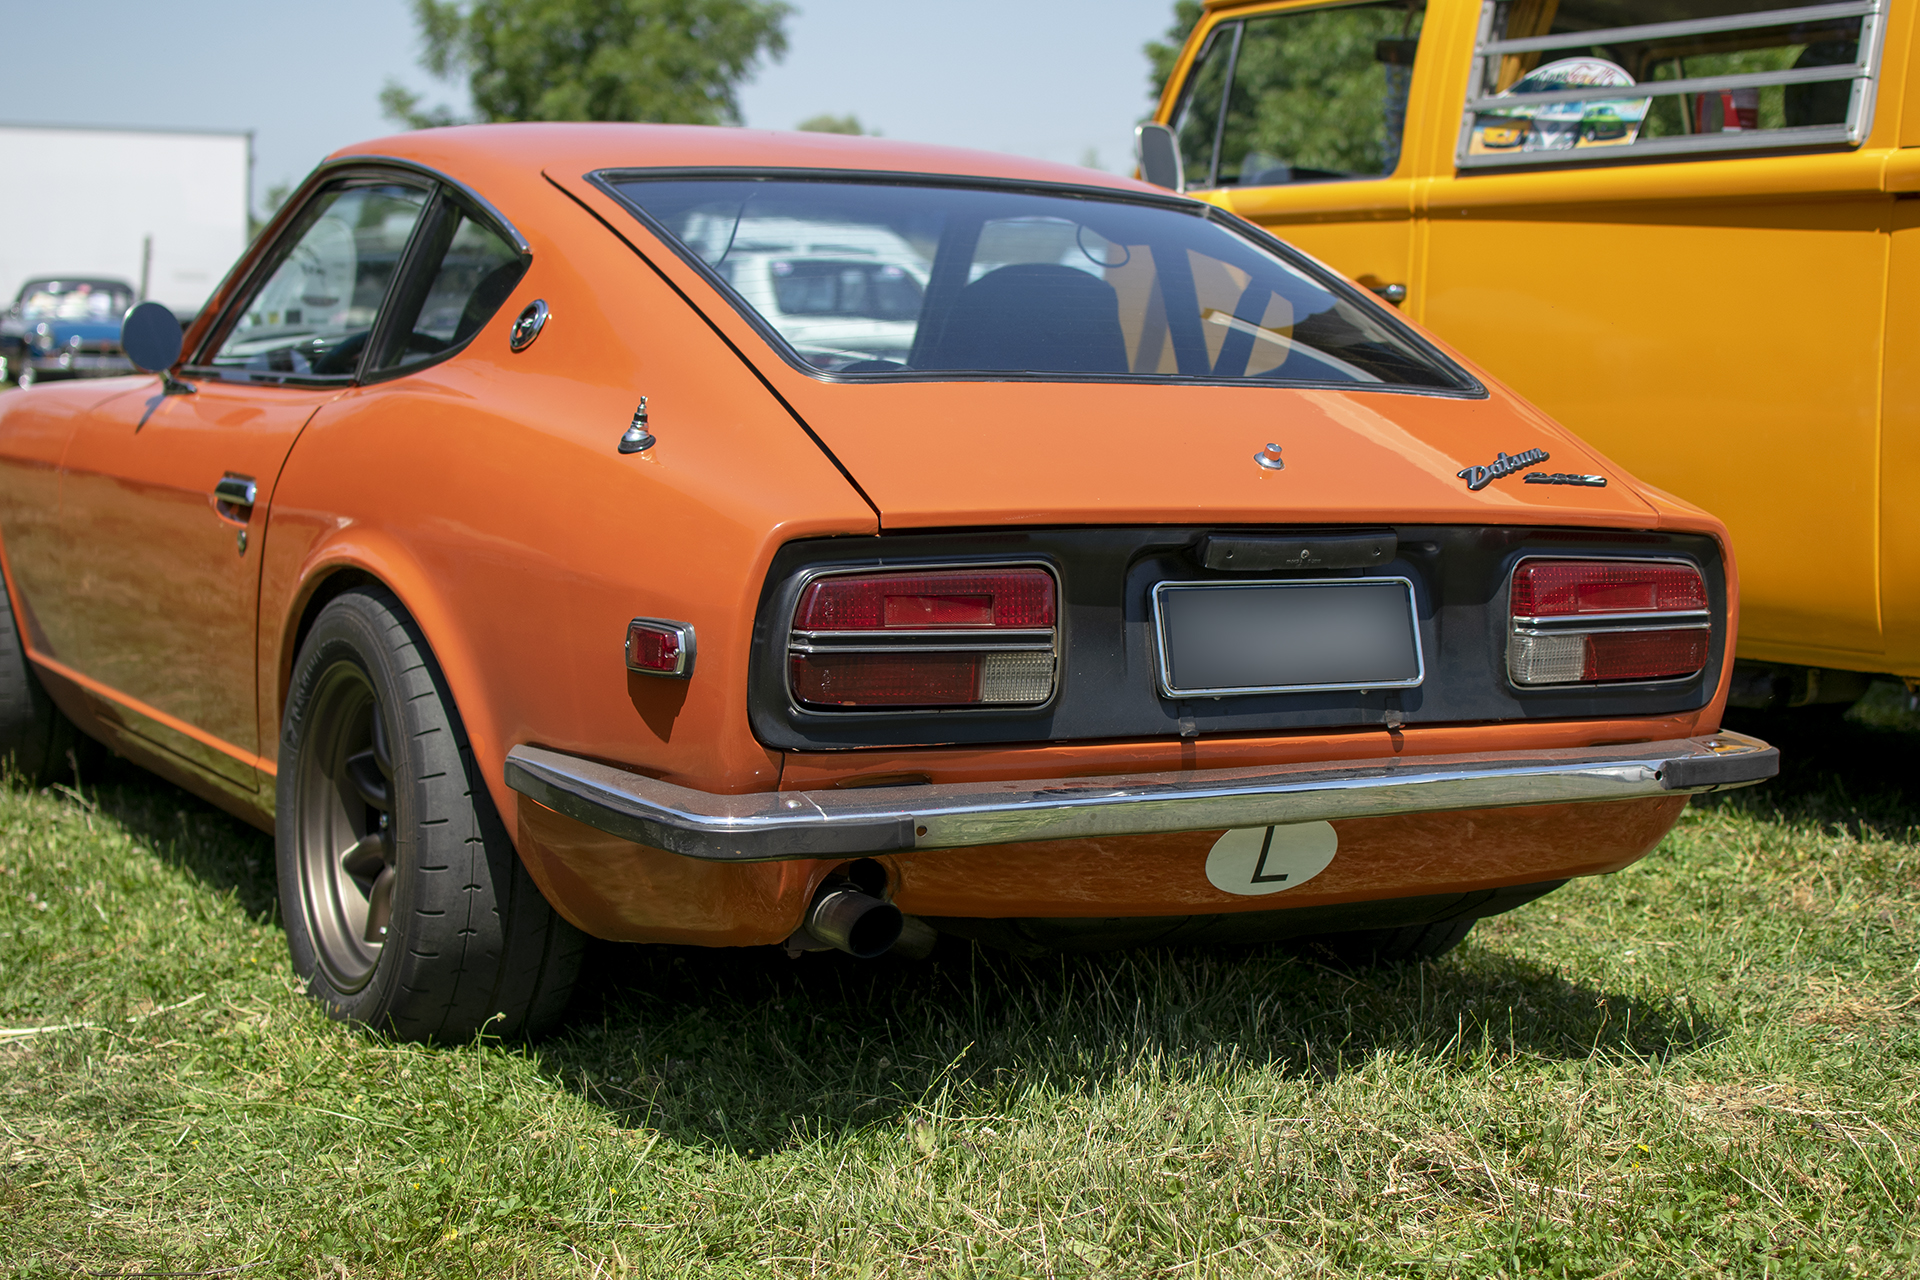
pixel 930 638
pixel 1589 621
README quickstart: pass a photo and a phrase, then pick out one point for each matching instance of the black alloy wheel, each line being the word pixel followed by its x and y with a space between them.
pixel 36 738
pixel 406 906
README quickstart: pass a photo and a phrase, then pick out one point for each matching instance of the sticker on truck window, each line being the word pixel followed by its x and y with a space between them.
pixel 1561 126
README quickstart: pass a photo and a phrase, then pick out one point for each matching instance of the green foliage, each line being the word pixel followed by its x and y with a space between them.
pixel 1163 53
pixel 1705 1065
pixel 1308 91
pixel 674 61
pixel 829 123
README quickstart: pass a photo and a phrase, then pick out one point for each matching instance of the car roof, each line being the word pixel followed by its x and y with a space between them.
pixel 471 152
pixel 95 282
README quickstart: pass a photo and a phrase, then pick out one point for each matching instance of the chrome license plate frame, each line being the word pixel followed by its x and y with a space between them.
pixel 1166 606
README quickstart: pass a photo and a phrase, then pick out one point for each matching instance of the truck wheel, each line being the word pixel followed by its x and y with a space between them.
pixel 406 907
pixel 1406 944
pixel 34 734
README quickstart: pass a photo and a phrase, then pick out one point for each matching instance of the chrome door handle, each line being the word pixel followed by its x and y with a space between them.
pixel 233 497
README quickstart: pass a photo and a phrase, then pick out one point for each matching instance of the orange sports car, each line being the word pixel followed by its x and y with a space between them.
pixel 746 539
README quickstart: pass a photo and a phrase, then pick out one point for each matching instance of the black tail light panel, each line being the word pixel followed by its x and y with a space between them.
pixel 1106 683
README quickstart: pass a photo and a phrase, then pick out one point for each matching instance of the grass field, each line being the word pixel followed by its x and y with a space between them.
pixel 1706 1065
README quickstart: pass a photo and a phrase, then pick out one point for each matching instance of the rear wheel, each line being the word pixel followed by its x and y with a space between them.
pixel 407 908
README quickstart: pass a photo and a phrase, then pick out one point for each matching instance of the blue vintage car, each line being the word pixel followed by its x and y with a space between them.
pixel 65 327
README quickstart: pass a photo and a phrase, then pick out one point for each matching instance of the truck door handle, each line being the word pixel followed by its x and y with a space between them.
pixel 233 497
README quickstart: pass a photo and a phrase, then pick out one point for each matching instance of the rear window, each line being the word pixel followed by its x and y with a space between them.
pixel 892 279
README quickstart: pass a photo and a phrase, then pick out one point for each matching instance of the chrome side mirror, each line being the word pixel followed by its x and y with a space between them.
pixel 150 335
pixel 1158 151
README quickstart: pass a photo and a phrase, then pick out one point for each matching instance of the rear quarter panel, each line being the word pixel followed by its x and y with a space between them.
pixel 487 493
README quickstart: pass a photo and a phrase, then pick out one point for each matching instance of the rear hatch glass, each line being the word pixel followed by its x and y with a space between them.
pixel 898 279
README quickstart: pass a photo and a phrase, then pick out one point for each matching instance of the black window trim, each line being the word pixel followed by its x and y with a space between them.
pixel 441 191
pixel 1469 388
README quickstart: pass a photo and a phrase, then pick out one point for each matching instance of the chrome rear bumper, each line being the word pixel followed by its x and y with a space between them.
pixel 769 826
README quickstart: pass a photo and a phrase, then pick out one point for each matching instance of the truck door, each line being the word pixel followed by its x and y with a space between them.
pixel 1293 117
pixel 1667 228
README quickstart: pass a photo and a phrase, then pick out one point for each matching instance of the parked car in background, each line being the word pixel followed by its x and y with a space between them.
pixel 1685 228
pixel 65 327
pixel 534 570
pixel 843 297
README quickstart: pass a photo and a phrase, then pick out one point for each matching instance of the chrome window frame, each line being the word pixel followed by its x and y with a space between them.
pixel 267 251
pixel 1864 72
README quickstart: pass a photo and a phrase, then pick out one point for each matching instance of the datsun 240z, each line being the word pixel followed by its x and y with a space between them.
pixel 1026 555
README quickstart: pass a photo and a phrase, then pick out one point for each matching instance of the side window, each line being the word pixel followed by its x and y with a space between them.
pixel 1559 81
pixel 312 317
pixel 467 271
pixel 1310 95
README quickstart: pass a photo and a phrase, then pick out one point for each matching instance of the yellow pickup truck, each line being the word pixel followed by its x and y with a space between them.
pixel 1688 229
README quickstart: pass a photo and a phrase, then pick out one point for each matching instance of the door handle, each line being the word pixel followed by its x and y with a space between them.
pixel 233 497
pixel 1394 293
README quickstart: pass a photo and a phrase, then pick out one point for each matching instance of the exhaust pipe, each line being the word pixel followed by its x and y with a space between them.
pixel 844 918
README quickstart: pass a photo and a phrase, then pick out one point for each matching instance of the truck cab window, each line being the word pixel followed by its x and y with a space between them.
pixel 1309 95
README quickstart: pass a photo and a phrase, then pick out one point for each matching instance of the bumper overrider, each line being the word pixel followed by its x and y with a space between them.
pixel 781 825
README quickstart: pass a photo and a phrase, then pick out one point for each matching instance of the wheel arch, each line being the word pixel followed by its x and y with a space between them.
pixel 333 569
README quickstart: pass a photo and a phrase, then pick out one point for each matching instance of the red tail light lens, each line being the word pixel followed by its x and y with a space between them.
pixel 658 647
pixel 965 598
pixel 1581 588
pixel 933 638
pixel 1590 621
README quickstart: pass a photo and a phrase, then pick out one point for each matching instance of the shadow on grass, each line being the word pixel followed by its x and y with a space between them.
pixel 749 1050
pixel 1854 770
pixel 220 851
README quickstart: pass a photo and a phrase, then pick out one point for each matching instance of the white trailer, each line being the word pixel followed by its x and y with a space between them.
pixel 163 209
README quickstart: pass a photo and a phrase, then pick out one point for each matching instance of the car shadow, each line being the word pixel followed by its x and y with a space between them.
pixel 182 830
pixel 1838 768
pixel 747 1049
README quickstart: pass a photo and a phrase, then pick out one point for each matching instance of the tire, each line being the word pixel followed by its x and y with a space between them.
pixel 1407 944
pixel 407 908
pixel 36 737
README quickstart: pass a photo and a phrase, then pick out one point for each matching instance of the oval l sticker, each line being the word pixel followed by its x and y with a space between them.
pixel 1253 861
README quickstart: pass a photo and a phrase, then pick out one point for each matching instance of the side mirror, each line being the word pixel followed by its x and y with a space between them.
pixel 150 335
pixel 1158 151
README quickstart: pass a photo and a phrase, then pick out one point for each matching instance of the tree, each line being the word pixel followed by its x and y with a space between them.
pixel 1163 53
pixel 829 123
pixel 673 61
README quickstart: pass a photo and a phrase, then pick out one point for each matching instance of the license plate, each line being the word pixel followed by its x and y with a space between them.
pixel 1218 638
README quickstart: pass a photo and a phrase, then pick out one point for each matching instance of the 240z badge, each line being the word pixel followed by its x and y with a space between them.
pixel 1480 477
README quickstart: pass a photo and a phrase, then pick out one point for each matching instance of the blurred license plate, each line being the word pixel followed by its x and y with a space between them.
pixel 1273 637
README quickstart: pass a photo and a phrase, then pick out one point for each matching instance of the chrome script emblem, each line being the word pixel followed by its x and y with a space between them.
pixel 1565 477
pixel 1502 465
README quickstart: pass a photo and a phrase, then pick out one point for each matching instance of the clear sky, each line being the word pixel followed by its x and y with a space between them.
pixel 1058 79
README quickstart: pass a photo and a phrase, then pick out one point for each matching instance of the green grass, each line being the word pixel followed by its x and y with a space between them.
pixel 1705 1065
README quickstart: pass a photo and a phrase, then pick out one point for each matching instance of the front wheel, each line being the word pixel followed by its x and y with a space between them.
pixel 406 907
